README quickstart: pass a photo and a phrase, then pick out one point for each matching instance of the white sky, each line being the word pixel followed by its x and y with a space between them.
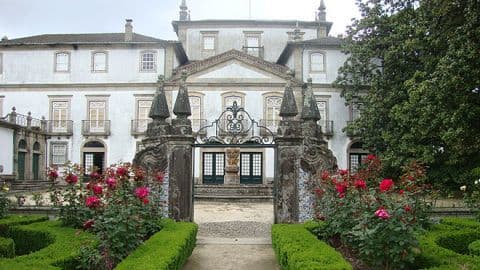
pixel 19 18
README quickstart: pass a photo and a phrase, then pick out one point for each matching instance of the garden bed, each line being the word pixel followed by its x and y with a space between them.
pixel 167 249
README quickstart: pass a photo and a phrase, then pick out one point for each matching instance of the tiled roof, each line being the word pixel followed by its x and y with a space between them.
pixel 97 38
pixel 327 41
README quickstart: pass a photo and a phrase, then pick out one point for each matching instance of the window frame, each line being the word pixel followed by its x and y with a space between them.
pixel 209 34
pixel 138 99
pixel 64 143
pixel 358 106
pixel 55 62
pixel 155 61
pixel 93 62
pixel 200 96
pixel 266 96
pixel 324 64
pixel 232 94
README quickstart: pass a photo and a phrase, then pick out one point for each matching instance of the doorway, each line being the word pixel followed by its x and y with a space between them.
pixel 22 154
pixel 93 157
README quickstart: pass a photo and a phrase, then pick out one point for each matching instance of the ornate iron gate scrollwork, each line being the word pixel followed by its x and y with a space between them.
pixel 235 126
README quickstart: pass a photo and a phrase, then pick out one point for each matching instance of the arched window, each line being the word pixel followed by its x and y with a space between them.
pixel 22 144
pixel 36 146
pixel 93 144
pixel 272 112
pixel 356 156
pixel 317 62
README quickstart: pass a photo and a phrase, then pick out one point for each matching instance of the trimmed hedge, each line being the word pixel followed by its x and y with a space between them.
pixel 167 249
pixel 438 247
pixel 9 221
pixel 297 248
pixel 461 222
pixel 7 248
pixel 61 253
pixel 474 248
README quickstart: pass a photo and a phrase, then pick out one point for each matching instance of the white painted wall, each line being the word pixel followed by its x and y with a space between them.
pixel 37 66
pixel 334 60
pixel 273 39
pixel 6 150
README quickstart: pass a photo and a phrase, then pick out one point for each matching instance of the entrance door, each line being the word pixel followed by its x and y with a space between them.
pixel 251 168
pixel 35 166
pixel 93 161
pixel 21 165
pixel 213 168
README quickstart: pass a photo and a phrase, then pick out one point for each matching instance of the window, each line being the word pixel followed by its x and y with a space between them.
pixel 58 153
pixel 59 116
pixel 97 115
pixel 209 42
pixel 355 110
pixel 251 168
pixel 356 156
pixel 62 62
pixel 317 62
pixel 229 99
pixel 148 61
pixel 253 43
pixel 196 108
pixel 143 110
pixel 272 111
pixel 99 61
pixel 1 63
pixel 213 168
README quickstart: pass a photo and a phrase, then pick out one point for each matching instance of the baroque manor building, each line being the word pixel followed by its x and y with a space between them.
pixel 95 91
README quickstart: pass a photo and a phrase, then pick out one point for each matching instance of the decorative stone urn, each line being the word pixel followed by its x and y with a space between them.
pixel 232 176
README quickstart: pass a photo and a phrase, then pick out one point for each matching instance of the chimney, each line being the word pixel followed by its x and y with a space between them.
pixel 128 30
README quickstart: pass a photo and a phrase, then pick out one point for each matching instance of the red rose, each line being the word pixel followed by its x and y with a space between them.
pixel 94 175
pixel 145 201
pixel 71 178
pixel 386 185
pixel 401 191
pixel 88 224
pixel 141 192
pixel 407 208
pixel 319 191
pixel 92 202
pixel 341 187
pixel 341 195
pixel 160 176
pixel 122 171
pixel 343 172
pixel 325 175
pixel 97 189
pixel 371 157
pixel 111 182
pixel 360 184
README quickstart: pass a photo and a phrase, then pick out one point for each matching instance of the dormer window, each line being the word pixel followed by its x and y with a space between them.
pixel 62 62
pixel 253 43
pixel 317 62
pixel 148 61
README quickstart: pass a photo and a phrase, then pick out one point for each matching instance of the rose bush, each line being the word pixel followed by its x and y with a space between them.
pixel 120 206
pixel 376 218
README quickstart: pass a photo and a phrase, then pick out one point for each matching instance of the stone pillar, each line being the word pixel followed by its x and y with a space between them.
pixel 232 176
pixel 12 117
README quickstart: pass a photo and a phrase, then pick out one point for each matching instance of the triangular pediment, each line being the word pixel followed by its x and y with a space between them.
pixel 233 67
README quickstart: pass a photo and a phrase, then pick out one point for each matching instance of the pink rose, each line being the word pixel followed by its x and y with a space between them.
pixel 111 182
pixel 71 179
pixel 382 213
pixel 122 171
pixel 97 190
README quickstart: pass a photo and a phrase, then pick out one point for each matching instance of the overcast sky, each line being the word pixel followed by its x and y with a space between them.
pixel 19 18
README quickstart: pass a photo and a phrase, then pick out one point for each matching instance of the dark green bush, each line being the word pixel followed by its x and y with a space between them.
pixel 461 222
pixel 62 252
pixel 7 247
pixel 9 221
pixel 474 248
pixel 168 249
pixel 297 248
pixel 436 257
pixel 458 241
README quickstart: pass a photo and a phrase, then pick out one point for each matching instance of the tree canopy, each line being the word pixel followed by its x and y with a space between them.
pixel 412 65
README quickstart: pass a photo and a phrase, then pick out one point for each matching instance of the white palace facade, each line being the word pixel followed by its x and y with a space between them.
pixel 94 91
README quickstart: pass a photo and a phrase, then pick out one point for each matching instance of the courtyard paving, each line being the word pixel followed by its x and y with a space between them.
pixel 233 236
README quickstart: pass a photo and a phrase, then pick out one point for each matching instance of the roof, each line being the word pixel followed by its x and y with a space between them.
pixel 95 38
pixel 257 23
pixel 315 43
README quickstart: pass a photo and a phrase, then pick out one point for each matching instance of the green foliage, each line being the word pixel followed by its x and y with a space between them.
pixel 438 253
pixel 10 221
pixel 461 223
pixel 474 248
pixel 4 203
pixel 378 219
pixel 64 246
pixel 167 249
pixel 412 65
pixel 7 248
pixel 297 248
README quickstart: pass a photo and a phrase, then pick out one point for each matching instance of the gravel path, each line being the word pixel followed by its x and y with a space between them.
pixel 235 229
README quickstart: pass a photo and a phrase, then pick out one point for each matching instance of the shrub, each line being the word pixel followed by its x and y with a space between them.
pixel 474 248
pixel 461 222
pixel 378 218
pixel 297 248
pixel 9 221
pixel 434 256
pixel 472 193
pixel 7 247
pixel 61 253
pixel 167 249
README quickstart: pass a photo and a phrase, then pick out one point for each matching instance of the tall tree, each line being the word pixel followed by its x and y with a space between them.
pixel 412 65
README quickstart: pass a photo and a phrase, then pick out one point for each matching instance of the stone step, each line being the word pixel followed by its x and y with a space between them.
pixel 30 185
pixel 248 193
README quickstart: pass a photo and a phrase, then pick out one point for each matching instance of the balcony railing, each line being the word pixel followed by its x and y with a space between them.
pixel 96 127
pixel 139 126
pixel 255 51
pixel 60 127
pixel 23 120
pixel 327 127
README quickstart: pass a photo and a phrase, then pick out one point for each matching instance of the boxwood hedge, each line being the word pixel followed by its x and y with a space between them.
pixel 297 248
pixel 7 247
pixel 168 249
